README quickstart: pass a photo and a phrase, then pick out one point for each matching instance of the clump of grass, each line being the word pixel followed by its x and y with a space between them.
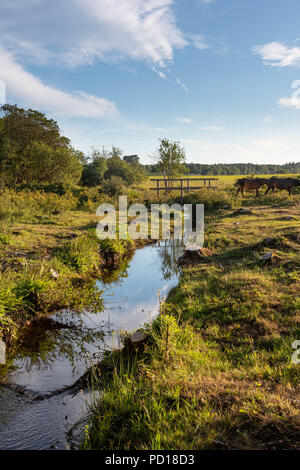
pixel 114 251
pixel 33 291
pixel 82 253
pixel 28 291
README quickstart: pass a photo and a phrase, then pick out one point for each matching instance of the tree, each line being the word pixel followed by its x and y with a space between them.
pixel 131 159
pixel 29 139
pixel 114 186
pixel 130 174
pixel 116 152
pixel 106 164
pixel 93 172
pixel 171 158
pixel 55 165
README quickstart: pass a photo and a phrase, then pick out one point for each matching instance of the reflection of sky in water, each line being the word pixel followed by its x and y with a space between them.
pixel 128 303
pixel 132 302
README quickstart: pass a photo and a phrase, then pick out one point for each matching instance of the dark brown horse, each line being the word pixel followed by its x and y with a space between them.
pixel 282 184
pixel 250 183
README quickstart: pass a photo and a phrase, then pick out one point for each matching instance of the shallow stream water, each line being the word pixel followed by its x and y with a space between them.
pixel 52 358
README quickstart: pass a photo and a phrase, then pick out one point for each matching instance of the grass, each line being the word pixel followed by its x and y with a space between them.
pixel 42 234
pixel 217 370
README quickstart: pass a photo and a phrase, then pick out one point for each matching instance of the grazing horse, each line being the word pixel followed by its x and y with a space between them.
pixel 250 183
pixel 282 184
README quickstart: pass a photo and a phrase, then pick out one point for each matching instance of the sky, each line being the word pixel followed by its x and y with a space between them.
pixel 220 76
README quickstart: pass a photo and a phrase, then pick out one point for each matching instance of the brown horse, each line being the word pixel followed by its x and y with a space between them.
pixel 250 183
pixel 282 184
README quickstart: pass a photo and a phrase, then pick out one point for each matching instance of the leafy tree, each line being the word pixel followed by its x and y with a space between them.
pixel 171 158
pixel 130 174
pixel 57 165
pixel 105 164
pixel 131 159
pixel 116 152
pixel 28 139
pixel 93 172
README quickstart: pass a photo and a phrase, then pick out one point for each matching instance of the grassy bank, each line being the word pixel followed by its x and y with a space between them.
pixel 49 254
pixel 50 257
pixel 216 372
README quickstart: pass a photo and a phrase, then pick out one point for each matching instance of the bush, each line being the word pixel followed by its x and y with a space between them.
pixel 28 205
pixel 114 186
pixel 212 199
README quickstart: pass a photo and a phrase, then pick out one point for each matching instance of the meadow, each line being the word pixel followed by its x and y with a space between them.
pixel 216 372
pixel 223 180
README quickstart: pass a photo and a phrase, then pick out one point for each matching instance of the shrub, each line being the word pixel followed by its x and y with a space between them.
pixel 114 186
pixel 212 199
pixel 27 205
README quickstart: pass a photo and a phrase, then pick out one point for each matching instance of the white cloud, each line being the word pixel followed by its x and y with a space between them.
pixel 183 120
pixel 198 41
pixel 276 54
pixel 159 73
pixel 81 31
pixel 180 83
pixel 211 128
pixel 31 91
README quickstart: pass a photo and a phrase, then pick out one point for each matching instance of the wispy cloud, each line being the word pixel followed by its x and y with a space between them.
pixel 183 120
pixel 276 54
pixel 31 91
pixel 159 73
pixel 138 29
pixel 198 41
pixel 180 83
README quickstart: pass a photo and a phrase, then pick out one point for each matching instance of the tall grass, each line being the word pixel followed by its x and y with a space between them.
pixel 30 205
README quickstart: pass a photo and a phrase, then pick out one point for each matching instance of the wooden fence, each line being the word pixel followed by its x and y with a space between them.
pixel 182 187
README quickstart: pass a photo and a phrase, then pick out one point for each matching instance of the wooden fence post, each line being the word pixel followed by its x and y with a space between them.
pixel 181 190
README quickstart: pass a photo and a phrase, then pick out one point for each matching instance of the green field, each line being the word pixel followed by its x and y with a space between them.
pixel 223 180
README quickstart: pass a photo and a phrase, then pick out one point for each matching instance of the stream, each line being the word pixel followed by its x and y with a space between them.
pixel 51 358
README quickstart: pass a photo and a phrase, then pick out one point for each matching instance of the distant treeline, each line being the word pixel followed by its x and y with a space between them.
pixel 233 169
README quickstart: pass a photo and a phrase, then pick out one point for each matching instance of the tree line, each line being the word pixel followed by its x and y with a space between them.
pixel 232 169
pixel 33 151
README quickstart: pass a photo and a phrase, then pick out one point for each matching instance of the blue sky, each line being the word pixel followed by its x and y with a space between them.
pixel 220 76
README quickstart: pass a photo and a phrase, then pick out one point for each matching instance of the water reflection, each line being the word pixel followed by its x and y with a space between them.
pixel 50 357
